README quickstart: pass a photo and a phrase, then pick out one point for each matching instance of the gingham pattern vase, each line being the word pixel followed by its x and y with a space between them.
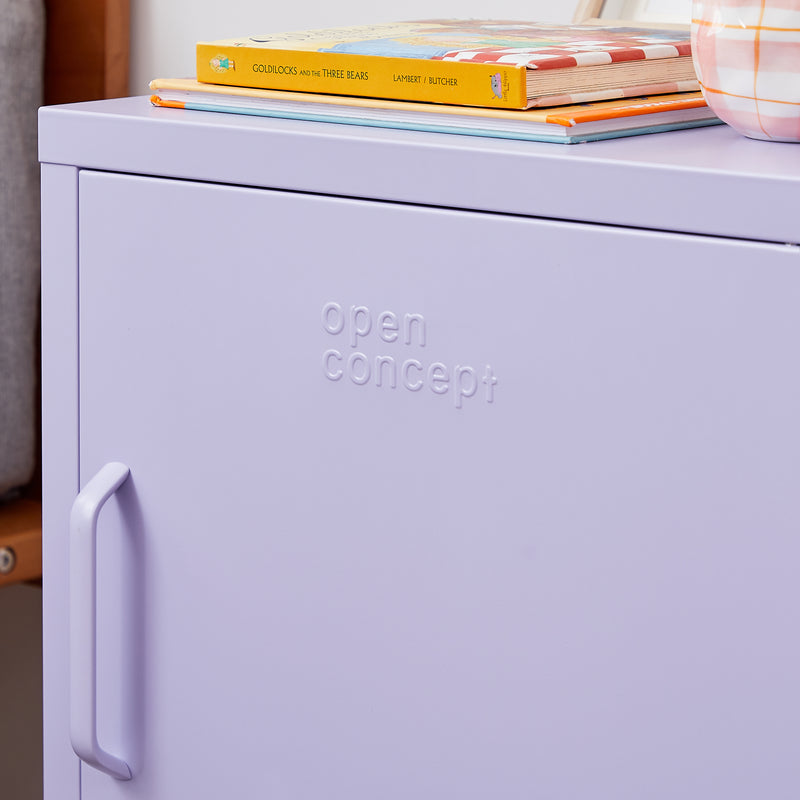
pixel 747 57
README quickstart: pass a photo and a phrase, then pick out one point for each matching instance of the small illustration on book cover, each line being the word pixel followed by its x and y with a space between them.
pixel 222 64
pixel 497 85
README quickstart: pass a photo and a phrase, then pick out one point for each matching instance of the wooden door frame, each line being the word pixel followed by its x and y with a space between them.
pixel 87 50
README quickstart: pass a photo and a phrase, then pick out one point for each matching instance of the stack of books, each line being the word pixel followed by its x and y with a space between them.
pixel 498 78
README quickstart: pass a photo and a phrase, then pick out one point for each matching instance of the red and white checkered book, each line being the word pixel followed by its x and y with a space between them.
pixel 490 63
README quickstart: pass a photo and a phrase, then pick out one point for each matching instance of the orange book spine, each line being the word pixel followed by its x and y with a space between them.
pixel 576 116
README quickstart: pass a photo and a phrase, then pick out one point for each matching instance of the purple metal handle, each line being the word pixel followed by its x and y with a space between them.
pixel 83 620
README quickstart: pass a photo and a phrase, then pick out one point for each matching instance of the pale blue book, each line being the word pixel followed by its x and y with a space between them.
pixel 581 122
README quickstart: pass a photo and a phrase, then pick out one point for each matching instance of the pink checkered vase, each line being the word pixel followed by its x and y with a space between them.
pixel 747 57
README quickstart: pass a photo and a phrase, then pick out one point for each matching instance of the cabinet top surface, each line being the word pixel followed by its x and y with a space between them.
pixel 708 180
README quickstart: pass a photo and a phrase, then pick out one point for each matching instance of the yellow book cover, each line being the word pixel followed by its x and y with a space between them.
pixel 487 63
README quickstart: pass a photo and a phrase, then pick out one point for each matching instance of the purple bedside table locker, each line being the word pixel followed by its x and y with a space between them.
pixel 383 465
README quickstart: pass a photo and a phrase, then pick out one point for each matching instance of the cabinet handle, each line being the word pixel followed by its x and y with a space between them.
pixel 83 619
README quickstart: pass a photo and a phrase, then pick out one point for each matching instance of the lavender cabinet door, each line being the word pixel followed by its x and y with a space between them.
pixel 432 504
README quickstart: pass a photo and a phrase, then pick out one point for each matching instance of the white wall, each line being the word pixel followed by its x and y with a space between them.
pixel 164 33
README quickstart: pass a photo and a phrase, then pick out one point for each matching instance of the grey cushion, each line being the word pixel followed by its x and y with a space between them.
pixel 21 68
